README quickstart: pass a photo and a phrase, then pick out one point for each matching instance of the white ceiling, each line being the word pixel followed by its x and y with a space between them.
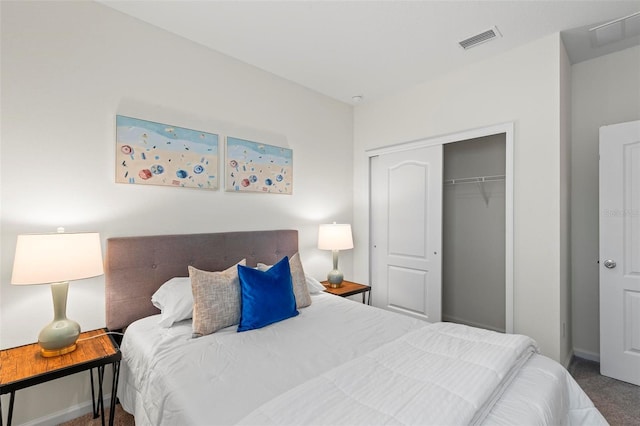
pixel 374 48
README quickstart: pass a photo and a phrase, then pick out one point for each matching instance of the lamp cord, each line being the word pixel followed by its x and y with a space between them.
pixel 100 335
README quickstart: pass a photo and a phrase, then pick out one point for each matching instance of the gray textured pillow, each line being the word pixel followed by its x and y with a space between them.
pixel 300 289
pixel 216 299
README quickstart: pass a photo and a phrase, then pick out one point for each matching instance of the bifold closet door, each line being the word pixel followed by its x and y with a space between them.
pixel 406 231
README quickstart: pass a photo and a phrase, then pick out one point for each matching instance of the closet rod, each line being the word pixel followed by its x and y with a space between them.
pixel 478 179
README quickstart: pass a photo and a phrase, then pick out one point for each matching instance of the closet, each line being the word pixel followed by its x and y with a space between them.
pixel 473 232
pixel 441 218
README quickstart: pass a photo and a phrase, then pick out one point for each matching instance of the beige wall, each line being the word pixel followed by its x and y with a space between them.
pixel 605 91
pixel 522 86
pixel 67 69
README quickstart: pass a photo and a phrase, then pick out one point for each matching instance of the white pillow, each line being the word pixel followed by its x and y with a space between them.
pixel 175 300
pixel 314 285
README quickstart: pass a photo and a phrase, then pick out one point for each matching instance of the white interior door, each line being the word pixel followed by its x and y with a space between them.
pixel 406 232
pixel 620 251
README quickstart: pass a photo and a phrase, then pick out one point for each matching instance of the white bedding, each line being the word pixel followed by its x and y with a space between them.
pixel 168 378
pixel 441 374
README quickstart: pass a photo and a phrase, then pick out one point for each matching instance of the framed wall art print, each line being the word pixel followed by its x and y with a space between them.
pixel 258 167
pixel 150 153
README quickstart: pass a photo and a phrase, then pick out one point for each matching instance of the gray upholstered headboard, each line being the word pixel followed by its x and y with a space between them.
pixel 135 267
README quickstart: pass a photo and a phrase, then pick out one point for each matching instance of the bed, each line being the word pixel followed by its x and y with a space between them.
pixel 335 361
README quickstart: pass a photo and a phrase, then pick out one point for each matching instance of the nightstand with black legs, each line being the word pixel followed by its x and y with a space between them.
pixel 348 288
pixel 24 366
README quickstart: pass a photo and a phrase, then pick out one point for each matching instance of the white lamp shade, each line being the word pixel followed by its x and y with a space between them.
pixel 335 236
pixel 52 258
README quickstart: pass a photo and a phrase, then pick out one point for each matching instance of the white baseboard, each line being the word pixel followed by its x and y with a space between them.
pixel 67 414
pixel 590 356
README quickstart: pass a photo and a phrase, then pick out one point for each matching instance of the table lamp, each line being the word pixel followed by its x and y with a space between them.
pixel 335 237
pixel 56 259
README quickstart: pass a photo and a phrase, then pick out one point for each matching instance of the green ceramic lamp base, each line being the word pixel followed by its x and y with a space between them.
pixel 335 277
pixel 60 335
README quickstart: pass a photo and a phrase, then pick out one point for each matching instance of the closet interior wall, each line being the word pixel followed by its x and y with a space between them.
pixel 473 270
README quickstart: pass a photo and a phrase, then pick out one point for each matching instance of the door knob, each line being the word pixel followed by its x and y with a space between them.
pixel 609 264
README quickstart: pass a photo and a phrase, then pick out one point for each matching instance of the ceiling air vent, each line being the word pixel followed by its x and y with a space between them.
pixel 616 30
pixel 477 39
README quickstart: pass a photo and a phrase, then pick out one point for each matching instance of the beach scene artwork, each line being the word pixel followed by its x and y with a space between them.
pixel 151 153
pixel 258 167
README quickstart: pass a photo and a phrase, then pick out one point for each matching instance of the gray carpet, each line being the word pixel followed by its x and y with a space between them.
pixel 121 418
pixel 619 402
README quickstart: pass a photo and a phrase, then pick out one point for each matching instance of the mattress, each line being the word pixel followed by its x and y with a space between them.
pixel 168 378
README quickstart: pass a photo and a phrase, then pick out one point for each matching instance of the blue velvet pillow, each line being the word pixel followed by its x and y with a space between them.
pixel 267 296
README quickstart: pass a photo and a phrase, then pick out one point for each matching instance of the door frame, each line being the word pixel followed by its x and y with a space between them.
pixel 508 130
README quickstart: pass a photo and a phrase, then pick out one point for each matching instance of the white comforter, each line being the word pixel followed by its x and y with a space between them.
pixel 442 374
pixel 168 378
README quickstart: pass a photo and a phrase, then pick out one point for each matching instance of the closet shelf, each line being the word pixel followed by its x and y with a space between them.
pixel 478 179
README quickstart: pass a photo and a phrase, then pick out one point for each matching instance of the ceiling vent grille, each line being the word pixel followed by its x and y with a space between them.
pixel 477 39
pixel 616 30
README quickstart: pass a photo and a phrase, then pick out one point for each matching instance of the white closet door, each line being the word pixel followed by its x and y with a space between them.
pixel 406 234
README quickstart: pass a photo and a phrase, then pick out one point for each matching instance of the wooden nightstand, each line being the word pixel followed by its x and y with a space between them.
pixel 349 288
pixel 23 367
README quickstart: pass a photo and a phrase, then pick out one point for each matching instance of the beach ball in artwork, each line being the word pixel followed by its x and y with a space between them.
pixel 157 169
pixel 145 174
pixel 245 182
